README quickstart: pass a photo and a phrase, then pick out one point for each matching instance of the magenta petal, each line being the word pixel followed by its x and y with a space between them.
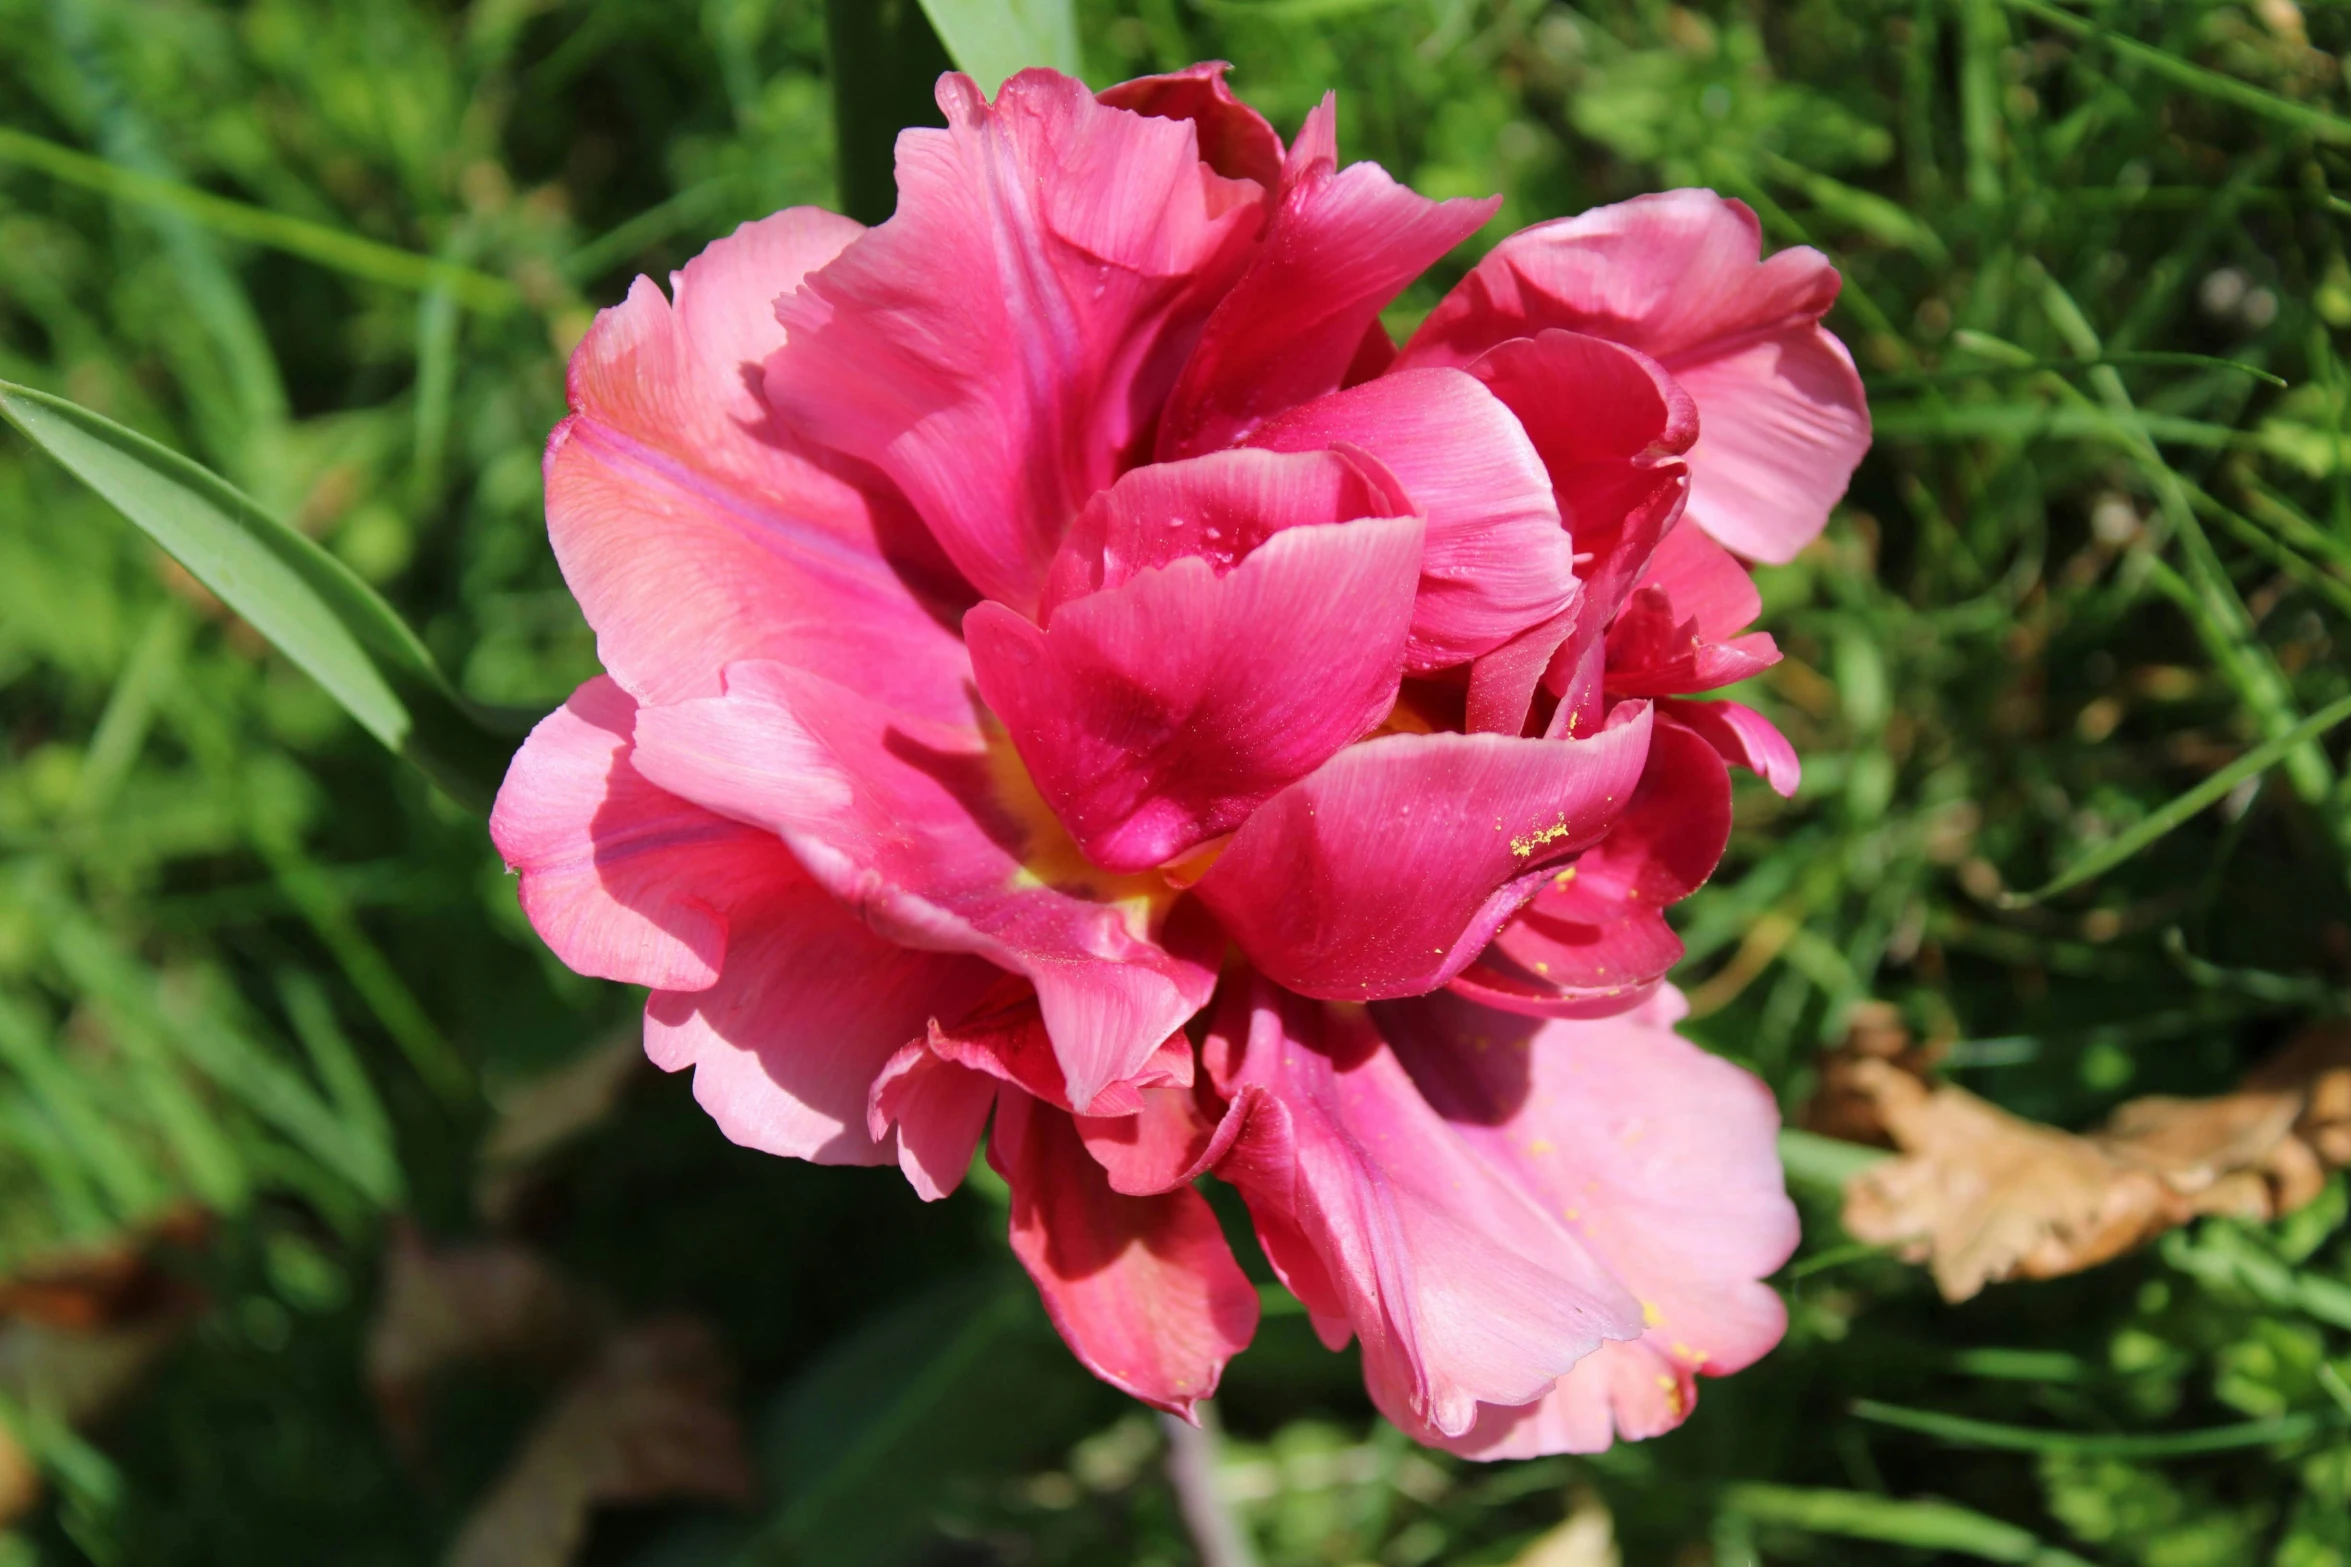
pixel 1496 561
pixel 1704 582
pixel 1384 872
pixel 1342 245
pixel 672 484
pixel 1234 138
pixel 624 881
pixel 1144 1289
pixel 1160 713
pixel 809 1008
pixel 1464 1289
pixel 1663 848
pixel 901 817
pixel 1744 738
pixel 1539 967
pixel 1664 1162
pixel 999 346
pixel 1679 276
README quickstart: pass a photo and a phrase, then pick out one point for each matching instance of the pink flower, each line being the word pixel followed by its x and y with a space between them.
pixel 1074 682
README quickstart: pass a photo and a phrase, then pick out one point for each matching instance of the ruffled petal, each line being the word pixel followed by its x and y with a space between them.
pixel 1496 560
pixel 1234 138
pixel 1386 871
pixel 672 483
pixel 1161 713
pixel 1144 1289
pixel 1343 244
pixel 999 347
pixel 1744 738
pixel 1465 1290
pixel 622 880
pixel 923 828
pixel 809 1007
pixel 1679 276
pixel 1662 1159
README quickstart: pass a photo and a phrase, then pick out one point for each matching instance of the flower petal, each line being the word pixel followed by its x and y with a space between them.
pixel 1679 276
pixel 999 346
pixel 1664 1160
pixel 939 1109
pixel 624 881
pixel 1386 871
pixel 1161 713
pixel 673 484
pixel 1342 245
pixel 1496 560
pixel 1144 1289
pixel 1234 138
pixel 809 1007
pixel 1464 1290
pixel 1744 738
pixel 912 822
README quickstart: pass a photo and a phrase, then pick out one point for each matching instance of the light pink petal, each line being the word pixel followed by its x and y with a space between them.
pixel 1215 508
pixel 1464 1289
pixel 673 484
pixel 1496 561
pixel 1664 1162
pixel 809 1008
pixel 624 881
pixel 1234 138
pixel 1144 1289
pixel 918 826
pixel 1177 1135
pixel 999 347
pixel 939 1110
pixel 1342 245
pixel 1387 870
pixel 1680 277
pixel 1161 713
pixel 1744 738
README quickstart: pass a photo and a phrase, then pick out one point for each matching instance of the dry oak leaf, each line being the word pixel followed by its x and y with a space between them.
pixel 647 1421
pixel 1982 1195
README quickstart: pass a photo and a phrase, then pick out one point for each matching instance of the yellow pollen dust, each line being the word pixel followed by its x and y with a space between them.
pixel 1650 1315
pixel 1528 843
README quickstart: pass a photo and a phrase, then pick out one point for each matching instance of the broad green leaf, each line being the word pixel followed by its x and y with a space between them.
pixel 309 605
pixel 991 39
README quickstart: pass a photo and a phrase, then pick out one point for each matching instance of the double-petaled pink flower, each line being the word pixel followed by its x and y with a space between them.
pixel 1067 665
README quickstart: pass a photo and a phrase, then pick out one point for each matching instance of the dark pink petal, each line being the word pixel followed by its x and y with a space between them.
pixel 808 1009
pixel 1541 967
pixel 1679 276
pixel 1144 1289
pixel 921 828
pixel 1160 713
pixel 1215 508
pixel 1744 738
pixel 1234 138
pixel 1502 683
pixel 1000 346
pixel 1704 582
pixel 1653 651
pixel 1387 870
pixel 1496 561
pixel 1342 245
pixel 1177 1135
pixel 673 484
pixel 1662 1159
pixel 1464 1290
pixel 624 881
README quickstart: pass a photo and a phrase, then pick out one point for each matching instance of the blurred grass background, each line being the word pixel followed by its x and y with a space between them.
pixel 249 970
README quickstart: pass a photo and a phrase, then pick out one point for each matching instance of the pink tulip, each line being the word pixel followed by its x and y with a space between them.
pixel 1074 683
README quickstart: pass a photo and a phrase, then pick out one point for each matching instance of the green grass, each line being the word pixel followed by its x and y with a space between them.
pixel 2100 553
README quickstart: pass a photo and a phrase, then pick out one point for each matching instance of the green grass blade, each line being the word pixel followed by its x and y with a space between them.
pixel 2163 820
pixel 308 604
pixel 1964 1432
pixel 2212 84
pixel 1820 1166
pixel 991 39
pixel 315 242
pixel 1926 1525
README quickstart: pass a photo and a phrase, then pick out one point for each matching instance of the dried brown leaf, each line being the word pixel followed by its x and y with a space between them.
pixel 1982 1195
pixel 647 1421
pixel 539 1116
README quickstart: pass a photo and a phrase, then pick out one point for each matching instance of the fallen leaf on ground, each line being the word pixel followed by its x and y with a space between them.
pixel 647 1421
pixel 1586 1539
pixel 1982 1195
